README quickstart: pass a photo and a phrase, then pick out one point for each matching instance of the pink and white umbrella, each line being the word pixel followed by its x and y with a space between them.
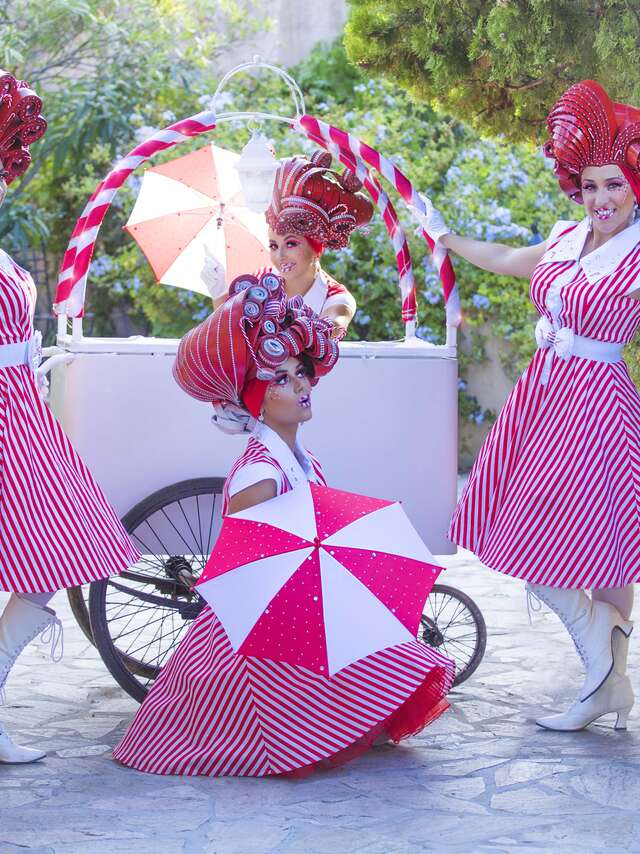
pixel 319 578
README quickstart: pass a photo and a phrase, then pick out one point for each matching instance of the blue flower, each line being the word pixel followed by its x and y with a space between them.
pixel 101 265
pixel 480 301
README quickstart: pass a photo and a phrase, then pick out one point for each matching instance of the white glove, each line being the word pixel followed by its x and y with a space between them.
pixel 42 382
pixel 431 221
pixel 212 276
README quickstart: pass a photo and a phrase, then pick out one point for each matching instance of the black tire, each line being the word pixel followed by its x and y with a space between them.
pixel 138 617
pixel 79 602
pixel 453 624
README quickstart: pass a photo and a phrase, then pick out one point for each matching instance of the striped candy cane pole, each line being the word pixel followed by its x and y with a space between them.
pixel 72 281
pixel 391 221
pixel 347 142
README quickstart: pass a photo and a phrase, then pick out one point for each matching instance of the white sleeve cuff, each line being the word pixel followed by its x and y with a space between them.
pixel 249 475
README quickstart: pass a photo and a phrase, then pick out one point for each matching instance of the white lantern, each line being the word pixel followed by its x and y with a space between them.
pixel 257 170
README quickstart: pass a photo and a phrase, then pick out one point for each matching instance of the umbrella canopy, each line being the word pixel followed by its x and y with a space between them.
pixel 193 202
pixel 319 578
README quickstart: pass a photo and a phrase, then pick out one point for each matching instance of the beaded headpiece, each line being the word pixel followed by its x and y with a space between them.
pixel 20 124
pixel 239 348
pixel 312 200
pixel 587 128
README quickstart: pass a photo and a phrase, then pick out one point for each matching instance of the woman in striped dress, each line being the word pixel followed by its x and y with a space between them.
pixel 56 529
pixel 313 208
pixel 212 711
pixel 554 496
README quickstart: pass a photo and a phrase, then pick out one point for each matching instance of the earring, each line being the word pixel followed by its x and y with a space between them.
pixel 261 418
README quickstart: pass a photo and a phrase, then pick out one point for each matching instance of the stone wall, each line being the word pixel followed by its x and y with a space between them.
pixel 299 26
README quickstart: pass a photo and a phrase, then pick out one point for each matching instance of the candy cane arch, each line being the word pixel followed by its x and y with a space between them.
pixel 75 265
pixel 328 134
pixel 72 281
pixel 390 218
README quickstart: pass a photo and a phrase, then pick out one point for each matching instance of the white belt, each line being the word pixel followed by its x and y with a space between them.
pixel 565 343
pixel 23 353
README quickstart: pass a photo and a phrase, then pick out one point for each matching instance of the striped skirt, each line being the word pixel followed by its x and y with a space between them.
pixel 56 528
pixel 554 496
pixel 215 713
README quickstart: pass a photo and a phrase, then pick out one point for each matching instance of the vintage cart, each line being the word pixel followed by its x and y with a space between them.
pixel 162 464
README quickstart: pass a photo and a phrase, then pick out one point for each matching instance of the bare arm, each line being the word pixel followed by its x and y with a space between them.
pixel 252 495
pixel 340 315
pixel 496 257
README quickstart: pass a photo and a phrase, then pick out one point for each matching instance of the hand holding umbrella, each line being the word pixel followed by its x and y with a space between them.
pixel 213 275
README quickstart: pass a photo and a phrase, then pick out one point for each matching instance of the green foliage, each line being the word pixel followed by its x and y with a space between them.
pixel 104 69
pixel 497 64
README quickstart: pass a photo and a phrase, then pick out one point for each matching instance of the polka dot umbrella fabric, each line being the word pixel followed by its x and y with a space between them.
pixel 318 578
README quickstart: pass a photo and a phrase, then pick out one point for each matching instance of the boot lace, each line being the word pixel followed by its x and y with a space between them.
pixel 535 600
pixel 52 633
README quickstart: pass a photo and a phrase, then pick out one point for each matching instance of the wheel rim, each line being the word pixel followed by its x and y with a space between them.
pixel 449 625
pixel 149 607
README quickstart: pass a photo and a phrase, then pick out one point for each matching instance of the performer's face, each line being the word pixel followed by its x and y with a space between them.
pixel 288 398
pixel 292 256
pixel 608 198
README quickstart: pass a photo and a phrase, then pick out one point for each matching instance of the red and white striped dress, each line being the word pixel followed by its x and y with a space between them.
pixel 213 712
pixel 56 528
pixel 554 496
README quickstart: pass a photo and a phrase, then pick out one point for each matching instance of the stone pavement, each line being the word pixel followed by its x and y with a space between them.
pixel 483 778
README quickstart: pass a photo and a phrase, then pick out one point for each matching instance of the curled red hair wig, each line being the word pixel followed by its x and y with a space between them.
pixel 232 356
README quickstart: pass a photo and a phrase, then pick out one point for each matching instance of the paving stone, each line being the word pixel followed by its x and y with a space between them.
pixel 483 778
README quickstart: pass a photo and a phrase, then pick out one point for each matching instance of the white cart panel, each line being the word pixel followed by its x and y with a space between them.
pixel 385 424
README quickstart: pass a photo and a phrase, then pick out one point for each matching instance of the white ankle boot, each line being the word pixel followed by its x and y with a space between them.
pixel 13 754
pixel 20 623
pixel 593 626
pixel 615 695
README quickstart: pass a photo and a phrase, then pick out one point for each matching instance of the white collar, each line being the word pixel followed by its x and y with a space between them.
pixel 601 262
pixel 316 296
pixel 296 464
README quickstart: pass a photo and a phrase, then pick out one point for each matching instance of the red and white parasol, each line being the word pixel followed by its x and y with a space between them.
pixel 318 578
pixel 191 203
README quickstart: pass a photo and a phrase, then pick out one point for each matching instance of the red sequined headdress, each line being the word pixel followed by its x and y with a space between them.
pixel 20 124
pixel 314 201
pixel 230 358
pixel 587 128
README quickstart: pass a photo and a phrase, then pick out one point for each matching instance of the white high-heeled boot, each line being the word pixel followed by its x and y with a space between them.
pixel 615 695
pixel 13 754
pixel 592 625
pixel 20 623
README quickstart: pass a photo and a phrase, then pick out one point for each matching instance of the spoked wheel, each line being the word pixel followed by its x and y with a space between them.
pixel 453 624
pixel 79 602
pixel 139 616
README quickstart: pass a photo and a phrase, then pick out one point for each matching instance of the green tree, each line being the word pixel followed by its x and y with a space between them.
pixel 497 64
pixel 103 69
